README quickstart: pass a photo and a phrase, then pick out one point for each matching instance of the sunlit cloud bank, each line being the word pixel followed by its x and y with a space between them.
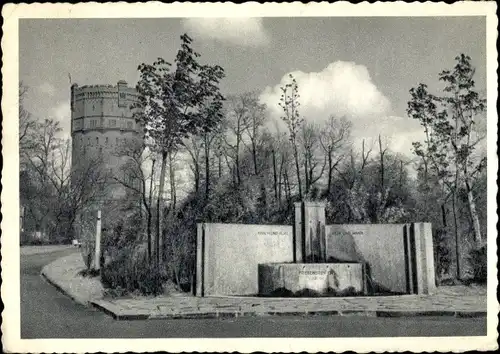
pixel 345 89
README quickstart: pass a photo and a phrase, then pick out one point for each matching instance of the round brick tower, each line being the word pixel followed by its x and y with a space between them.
pixel 102 124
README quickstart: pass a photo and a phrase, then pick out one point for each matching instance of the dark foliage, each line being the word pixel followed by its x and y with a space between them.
pixel 479 264
pixel 130 272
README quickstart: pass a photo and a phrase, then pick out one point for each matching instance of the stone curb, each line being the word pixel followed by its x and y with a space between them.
pixel 119 314
pixel 62 290
pixel 65 287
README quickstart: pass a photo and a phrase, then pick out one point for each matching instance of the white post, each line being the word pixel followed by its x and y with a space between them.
pixel 97 259
pixel 22 219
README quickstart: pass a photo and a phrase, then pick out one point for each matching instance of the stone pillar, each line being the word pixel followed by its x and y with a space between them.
pixel 419 255
pixel 309 233
pixel 200 260
pixel 298 234
pixel 424 258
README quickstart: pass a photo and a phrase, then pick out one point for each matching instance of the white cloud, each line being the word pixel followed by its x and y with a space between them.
pixel 62 114
pixel 234 30
pixel 398 133
pixel 345 89
pixel 47 89
pixel 342 88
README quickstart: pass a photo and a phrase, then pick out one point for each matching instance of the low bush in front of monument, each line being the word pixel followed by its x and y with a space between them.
pixel 479 264
pixel 129 272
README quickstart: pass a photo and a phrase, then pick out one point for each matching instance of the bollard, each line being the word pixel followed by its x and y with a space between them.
pixel 97 258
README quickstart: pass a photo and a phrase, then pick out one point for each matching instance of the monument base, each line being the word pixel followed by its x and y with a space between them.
pixel 311 280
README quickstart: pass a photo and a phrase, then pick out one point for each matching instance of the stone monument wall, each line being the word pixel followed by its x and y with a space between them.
pixel 381 246
pixel 228 256
pixel 399 257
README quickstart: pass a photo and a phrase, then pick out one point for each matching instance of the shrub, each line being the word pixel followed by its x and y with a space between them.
pixel 479 264
pixel 130 272
pixel 442 253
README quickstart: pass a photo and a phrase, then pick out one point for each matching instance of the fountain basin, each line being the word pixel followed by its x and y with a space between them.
pixel 310 279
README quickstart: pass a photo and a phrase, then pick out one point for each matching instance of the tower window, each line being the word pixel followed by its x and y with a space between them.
pixel 88 141
pixel 106 141
pixel 112 123
pixel 97 140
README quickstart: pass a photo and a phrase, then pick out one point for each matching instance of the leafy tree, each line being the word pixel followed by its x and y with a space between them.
pixel 449 121
pixel 169 107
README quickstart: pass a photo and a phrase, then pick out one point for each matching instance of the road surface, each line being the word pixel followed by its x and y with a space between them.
pixel 46 313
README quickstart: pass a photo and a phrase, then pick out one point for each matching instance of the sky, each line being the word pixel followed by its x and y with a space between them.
pixel 358 67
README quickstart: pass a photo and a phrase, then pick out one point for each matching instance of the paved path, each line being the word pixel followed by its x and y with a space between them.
pixel 454 301
pixel 186 307
pixel 46 313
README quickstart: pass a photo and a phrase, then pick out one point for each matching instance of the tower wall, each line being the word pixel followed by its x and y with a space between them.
pixel 102 125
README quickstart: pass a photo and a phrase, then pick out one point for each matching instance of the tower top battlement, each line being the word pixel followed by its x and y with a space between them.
pixel 96 90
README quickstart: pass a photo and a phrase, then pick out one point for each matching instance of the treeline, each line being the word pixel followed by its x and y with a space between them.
pixel 51 193
pixel 244 170
pixel 210 158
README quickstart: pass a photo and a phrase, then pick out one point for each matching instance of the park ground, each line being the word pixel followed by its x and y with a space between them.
pixel 48 313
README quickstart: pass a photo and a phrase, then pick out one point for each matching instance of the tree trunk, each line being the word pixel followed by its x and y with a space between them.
pixel 443 215
pixel 173 193
pixel 285 184
pixel 254 155
pixel 159 211
pixel 455 232
pixel 296 155
pixel 196 177
pixel 220 165
pixel 473 213
pixel 238 176
pixel 150 216
pixel 207 169
pixel 306 175
pixel 275 176
pixel 330 171
pixel 381 164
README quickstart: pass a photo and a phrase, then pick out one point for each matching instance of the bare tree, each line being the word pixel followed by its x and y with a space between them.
pixel 334 136
pixel 38 153
pixel 290 104
pixel 194 147
pixel 238 122
pixel 137 175
pixel 26 121
pixel 310 142
pixel 254 129
pixel 353 179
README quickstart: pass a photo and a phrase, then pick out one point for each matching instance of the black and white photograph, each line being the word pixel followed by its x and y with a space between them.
pixel 271 177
